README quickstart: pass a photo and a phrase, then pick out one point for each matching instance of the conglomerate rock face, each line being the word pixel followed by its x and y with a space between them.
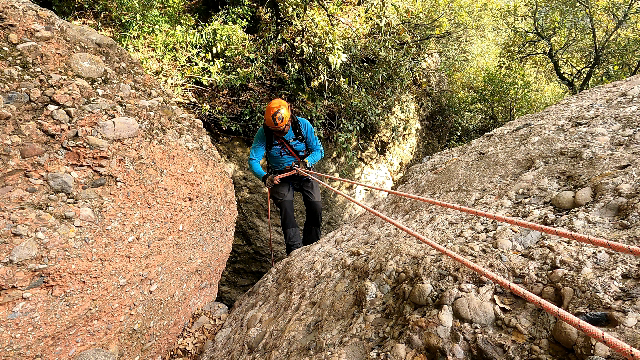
pixel 116 211
pixel 368 290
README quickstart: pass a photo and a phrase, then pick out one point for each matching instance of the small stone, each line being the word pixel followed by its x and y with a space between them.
pixel 35 94
pixel 624 189
pixel 420 294
pixel 60 182
pixel 125 90
pixel 86 214
pixel 13 38
pixel 96 354
pixel 457 351
pixel 557 275
pixel 60 115
pixel 26 295
pixel 25 251
pixel 119 128
pixel 537 288
pixel 44 35
pixel 254 338
pixel 564 200
pixel 549 293
pixel 567 294
pixel 601 350
pixel 20 230
pixel 31 150
pixel 72 112
pixel 69 214
pixel 399 352
pixel 87 65
pixel 583 196
pixel 471 309
pixel 27 45
pixel 565 334
pixel 446 316
pixel 98 182
pixel 5 115
pixel 630 321
pixel 528 238
pixel 503 244
pixel 96 142
pixel 32 190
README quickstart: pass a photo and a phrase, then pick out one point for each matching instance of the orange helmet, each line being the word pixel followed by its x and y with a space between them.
pixel 277 115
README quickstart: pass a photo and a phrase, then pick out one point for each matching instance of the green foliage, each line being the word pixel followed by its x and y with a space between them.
pixel 345 64
pixel 582 42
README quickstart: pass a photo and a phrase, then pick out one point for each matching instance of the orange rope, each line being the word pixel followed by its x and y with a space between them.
pixel 612 245
pixel 622 348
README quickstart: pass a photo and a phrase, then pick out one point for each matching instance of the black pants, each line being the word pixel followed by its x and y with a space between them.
pixel 282 195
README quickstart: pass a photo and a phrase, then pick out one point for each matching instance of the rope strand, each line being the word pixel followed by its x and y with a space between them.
pixel 611 245
pixel 617 345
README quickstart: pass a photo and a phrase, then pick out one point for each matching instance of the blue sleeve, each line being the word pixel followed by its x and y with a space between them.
pixel 256 154
pixel 312 142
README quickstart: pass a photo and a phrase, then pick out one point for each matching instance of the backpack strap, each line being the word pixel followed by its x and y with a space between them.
pixel 297 135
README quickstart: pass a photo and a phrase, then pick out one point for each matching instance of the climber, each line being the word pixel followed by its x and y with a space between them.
pixel 289 142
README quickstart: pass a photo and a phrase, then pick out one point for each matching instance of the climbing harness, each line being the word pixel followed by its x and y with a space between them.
pixel 617 345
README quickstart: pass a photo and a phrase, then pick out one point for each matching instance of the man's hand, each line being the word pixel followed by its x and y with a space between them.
pixel 302 165
pixel 270 180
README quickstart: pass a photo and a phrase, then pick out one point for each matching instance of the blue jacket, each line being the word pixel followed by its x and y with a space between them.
pixel 279 157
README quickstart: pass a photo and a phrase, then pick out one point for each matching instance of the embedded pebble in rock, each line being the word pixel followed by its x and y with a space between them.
pixel 4 115
pixel 556 275
pixel 583 196
pixel 13 38
pixel 119 128
pixel 470 308
pixel 549 293
pixel 20 230
pixel 96 354
pixel 528 238
pixel 567 294
pixel 503 244
pixel 624 189
pixel 31 150
pixel 44 35
pixel 87 65
pixel 60 182
pixel 25 251
pixel 420 294
pixel 60 115
pixel 98 182
pixel 565 334
pixel 96 142
pixel 564 200
pixel 399 352
pixel 86 214
pixel 446 316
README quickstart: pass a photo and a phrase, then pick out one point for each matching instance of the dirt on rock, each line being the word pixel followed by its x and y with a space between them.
pixel 116 211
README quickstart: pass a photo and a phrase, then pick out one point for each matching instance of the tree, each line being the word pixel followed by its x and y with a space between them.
pixel 584 42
